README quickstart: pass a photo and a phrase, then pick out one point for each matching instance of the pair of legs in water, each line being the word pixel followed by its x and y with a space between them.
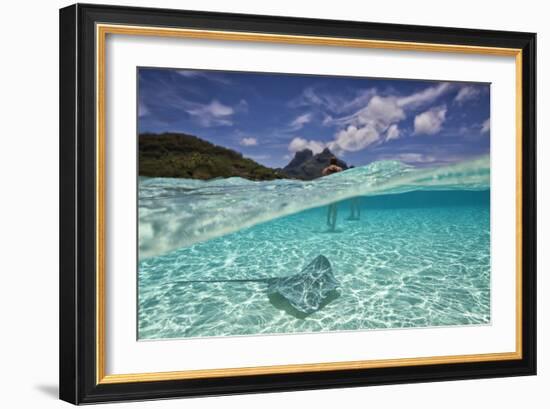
pixel 332 213
pixel 354 209
pixel 331 216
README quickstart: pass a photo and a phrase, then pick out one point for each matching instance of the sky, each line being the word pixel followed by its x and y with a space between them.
pixel 270 116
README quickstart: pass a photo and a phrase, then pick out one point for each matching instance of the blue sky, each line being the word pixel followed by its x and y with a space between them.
pixel 268 117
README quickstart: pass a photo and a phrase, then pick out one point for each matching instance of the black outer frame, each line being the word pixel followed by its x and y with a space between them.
pixel 77 204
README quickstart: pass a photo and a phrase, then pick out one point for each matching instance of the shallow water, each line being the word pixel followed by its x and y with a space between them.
pixel 177 213
pixel 416 259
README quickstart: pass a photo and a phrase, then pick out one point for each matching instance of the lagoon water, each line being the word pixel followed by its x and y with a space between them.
pixel 419 256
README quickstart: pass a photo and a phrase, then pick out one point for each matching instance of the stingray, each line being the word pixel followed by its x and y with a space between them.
pixel 299 294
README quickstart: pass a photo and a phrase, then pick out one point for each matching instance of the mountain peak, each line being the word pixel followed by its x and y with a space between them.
pixel 307 166
pixel 299 158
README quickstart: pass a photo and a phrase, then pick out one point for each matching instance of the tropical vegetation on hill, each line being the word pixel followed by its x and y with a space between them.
pixel 180 155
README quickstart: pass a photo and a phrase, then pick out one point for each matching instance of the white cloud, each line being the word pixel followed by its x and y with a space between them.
pixel 300 121
pixel 299 144
pixel 312 98
pixel 367 126
pixel 338 105
pixel 430 122
pixel 369 118
pixel 383 110
pixel 353 139
pixel 218 109
pixel 328 120
pixel 392 132
pixel 466 93
pixel 362 97
pixel 378 120
pixel 213 114
pixel 486 126
pixel 248 141
pixel 424 97
pixel 331 103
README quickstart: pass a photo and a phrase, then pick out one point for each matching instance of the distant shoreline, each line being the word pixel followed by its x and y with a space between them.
pixel 180 155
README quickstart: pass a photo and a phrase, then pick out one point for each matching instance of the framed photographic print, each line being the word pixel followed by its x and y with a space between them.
pixel 257 203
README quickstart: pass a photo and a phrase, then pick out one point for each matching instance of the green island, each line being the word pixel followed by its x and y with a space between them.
pixel 179 155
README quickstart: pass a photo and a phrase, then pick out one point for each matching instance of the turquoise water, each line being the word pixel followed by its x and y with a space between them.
pixel 419 256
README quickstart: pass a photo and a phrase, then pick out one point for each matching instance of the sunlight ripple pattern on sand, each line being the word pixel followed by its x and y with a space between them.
pixel 418 259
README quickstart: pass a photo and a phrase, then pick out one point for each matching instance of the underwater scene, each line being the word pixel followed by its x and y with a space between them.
pixel 386 245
